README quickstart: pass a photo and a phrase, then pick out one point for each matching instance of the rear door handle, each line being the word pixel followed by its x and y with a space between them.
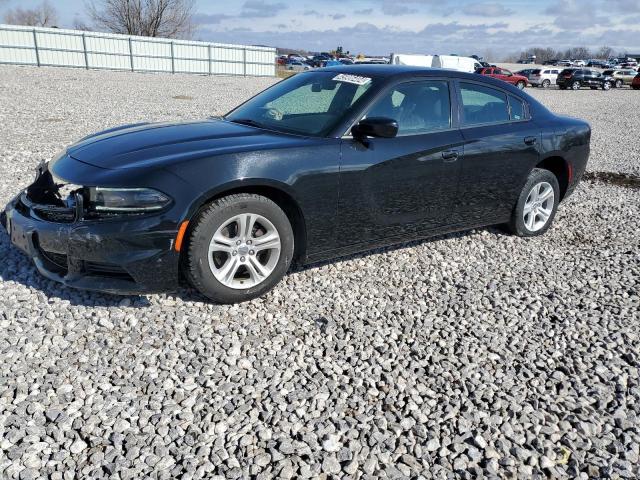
pixel 450 155
pixel 530 140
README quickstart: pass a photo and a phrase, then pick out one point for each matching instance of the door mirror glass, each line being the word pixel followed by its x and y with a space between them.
pixel 381 127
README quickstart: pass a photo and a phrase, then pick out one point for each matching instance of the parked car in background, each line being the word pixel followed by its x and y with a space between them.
pixel 297 66
pixel 621 77
pixel 636 82
pixel 578 63
pixel 551 62
pixel 576 78
pixel 544 77
pixel 526 72
pixel 565 63
pixel 504 75
pixel 228 203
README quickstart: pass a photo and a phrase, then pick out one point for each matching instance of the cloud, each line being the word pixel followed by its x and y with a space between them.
pixel 261 9
pixel 338 16
pixel 487 10
pixel 364 11
pixel 209 18
pixel 441 38
pixel 577 15
pixel 396 8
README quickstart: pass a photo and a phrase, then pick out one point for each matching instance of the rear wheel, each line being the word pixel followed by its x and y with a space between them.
pixel 521 85
pixel 537 205
pixel 240 248
pixel 619 83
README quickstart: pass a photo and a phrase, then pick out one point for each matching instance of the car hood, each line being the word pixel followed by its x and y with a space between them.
pixel 159 144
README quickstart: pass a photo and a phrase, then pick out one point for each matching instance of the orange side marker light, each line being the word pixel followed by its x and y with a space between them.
pixel 181 231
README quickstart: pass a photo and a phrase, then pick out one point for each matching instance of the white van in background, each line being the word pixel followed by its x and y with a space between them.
pixel 451 62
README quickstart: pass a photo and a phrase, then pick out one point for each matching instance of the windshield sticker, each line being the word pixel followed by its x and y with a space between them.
pixel 355 79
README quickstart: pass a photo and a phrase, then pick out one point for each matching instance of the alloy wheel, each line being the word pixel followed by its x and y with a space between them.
pixel 576 86
pixel 244 251
pixel 539 206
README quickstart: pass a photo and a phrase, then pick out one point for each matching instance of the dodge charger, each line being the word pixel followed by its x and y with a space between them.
pixel 324 164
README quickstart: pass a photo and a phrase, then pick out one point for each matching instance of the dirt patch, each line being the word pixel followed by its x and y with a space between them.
pixel 183 97
pixel 612 178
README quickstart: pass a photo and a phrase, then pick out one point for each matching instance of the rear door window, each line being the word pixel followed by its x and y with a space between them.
pixel 482 104
pixel 516 109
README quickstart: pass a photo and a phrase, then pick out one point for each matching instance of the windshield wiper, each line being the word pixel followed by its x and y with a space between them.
pixel 247 121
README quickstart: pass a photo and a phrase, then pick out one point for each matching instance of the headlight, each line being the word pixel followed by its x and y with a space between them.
pixel 126 200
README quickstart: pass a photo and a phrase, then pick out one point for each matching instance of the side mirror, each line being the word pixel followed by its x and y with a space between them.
pixel 381 127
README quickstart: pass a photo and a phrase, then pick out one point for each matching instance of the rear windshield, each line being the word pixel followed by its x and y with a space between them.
pixel 536 72
pixel 566 71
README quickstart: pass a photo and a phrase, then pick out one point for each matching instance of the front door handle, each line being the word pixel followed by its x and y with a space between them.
pixel 530 140
pixel 450 155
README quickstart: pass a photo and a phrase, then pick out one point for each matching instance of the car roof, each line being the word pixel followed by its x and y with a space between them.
pixel 386 70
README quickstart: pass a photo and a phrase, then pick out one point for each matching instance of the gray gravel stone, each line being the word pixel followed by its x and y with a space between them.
pixel 477 352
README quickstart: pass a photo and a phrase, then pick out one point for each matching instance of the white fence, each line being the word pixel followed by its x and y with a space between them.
pixel 74 48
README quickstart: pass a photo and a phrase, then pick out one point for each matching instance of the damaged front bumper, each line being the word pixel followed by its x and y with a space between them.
pixel 121 256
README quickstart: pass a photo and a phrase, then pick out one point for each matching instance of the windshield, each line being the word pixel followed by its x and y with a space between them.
pixel 306 104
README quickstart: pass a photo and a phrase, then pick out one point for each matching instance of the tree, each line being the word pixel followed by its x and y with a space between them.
pixel 148 18
pixel 43 15
pixel 604 53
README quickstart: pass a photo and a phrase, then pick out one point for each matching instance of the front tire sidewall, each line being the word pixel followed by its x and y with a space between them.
pixel 521 85
pixel 606 86
pixel 537 175
pixel 198 270
pixel 546 84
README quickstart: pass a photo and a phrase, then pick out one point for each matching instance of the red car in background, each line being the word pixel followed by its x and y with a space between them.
pixel 635 84
pixel 505 75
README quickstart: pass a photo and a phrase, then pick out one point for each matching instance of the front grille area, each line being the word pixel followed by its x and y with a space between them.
pixel 56 262
pixel 54 214
pixel 46 212
pixel 109 270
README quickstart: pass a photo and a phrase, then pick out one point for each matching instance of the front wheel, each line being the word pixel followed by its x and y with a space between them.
pixel 606 86
pixel 619 83
pixel 537 205
pixel 521 85
pixel 575 86
pixel 546 83
pixel 239 248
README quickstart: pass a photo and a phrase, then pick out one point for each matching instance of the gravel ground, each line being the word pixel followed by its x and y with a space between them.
pixel 468 355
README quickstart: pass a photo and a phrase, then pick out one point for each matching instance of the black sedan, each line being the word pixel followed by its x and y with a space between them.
pixel 323 164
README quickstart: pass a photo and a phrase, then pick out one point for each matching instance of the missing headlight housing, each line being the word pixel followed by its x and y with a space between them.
pixel 126 200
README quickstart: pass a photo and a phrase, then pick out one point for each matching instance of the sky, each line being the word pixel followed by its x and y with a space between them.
pixel 492 28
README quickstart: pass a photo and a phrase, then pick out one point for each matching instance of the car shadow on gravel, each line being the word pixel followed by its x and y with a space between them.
pixel 494 229
pixel 18 268
pixel 25 273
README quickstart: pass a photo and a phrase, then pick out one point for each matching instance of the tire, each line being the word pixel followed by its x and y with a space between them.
pixel 259 267
pixel 619 83
pixel 606 86
pixel 546 83
pixel 575 86
pixel 636 88
pixel 521 85
pixel 520 224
